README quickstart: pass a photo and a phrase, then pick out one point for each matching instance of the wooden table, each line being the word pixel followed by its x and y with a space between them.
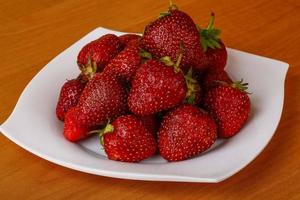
pixel 33 32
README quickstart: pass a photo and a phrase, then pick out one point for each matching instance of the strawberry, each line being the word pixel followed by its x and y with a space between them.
pixel 127 140
pixel 151 124
pixel 135 42
pixel 212 76
pixel 229 104
pixel 156 87
pixel 95 55
pixel 217 57
pixel 127 38
pixel 125 64
pixel 171 34
pixel 215 50
pixel 185 132
pixel 69 96
pixel 74 131
pixel 103 98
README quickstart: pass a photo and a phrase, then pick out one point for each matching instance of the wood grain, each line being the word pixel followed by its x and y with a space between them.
pixel 33 32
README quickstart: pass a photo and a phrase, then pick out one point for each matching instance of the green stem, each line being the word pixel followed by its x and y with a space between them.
pixel 108 128
pixel 178 61
pixel 211 21
pixel 172 6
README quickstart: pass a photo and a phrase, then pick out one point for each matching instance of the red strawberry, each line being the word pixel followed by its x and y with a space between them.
pixel 127 140
pixel 125 64
pixel 126 38
pixel 211 77
pixel 172 34
pixel 95 55
pixel 217 57
pixel 73 131
pixel 135 42
pixel 156 87
pixel 103 98
pixel 230 106
pixel 215 50
pixel 151 124
pixel 185 132
pixel 69 96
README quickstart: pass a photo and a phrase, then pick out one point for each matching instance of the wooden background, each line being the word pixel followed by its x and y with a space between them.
pixel 33 32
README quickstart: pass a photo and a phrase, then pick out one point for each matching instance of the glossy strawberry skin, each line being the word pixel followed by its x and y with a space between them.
pixel 73 131
pixel 103 98
pixel 126 38
pixel 155 87
pixel 211 77
pixel 125 64
pixel 217 58
pixel 100 51
pixel 230 107
pixel 135 43
pixel 185 132
pixel 129 141
pixel 69 96
pixel 151 123
pixel 174 34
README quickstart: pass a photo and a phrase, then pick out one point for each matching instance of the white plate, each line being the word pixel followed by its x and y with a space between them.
pixel 33 124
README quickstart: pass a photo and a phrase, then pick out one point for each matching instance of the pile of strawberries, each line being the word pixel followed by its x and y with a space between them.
pixel 163 92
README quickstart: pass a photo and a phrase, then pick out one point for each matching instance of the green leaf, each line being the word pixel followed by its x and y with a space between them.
pixel 167 61
pixel 214 33
pixel 163 14
pixel 190 99
pixel 203 44
pixel 145 54
pixel 210 37
pixel 215 43
pixel 210 44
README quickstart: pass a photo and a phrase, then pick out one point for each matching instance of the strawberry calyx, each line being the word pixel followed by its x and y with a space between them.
pixel 210 36
pixel 108 128
pixel 89 70
pixel 145 54
pixel 237 84
pixel 192 86
pixel 101 132
pixel 163 14
pixel 240 85
pixel 171 7
pixel 168 62
pixel 177 64
pixel 82 78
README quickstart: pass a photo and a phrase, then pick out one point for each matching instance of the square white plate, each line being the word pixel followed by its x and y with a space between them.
pixel 33 124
